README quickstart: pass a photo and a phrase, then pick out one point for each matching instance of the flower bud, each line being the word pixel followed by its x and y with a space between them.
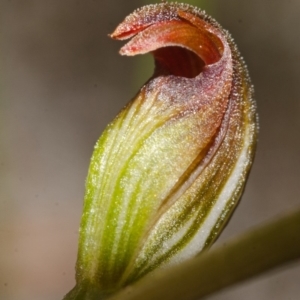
pixel 167 173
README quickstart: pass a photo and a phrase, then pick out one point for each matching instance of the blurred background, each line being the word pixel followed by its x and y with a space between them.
pixel 62 81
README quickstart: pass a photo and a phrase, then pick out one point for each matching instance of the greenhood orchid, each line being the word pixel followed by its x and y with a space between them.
pixel 168 172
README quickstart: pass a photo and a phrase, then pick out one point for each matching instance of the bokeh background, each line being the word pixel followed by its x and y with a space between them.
pixel 62 81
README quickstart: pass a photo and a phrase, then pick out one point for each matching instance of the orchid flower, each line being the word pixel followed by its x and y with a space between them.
pixel 169 170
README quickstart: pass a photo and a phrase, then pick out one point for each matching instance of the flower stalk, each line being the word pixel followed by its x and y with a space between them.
pixel 257 251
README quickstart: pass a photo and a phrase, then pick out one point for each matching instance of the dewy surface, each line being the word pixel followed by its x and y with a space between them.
pixel 169 170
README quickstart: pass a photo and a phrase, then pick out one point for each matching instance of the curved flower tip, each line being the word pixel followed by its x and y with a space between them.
pixel 169 170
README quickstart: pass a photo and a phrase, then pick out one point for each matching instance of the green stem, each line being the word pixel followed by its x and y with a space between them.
pixel 86 291
pixel 251 254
